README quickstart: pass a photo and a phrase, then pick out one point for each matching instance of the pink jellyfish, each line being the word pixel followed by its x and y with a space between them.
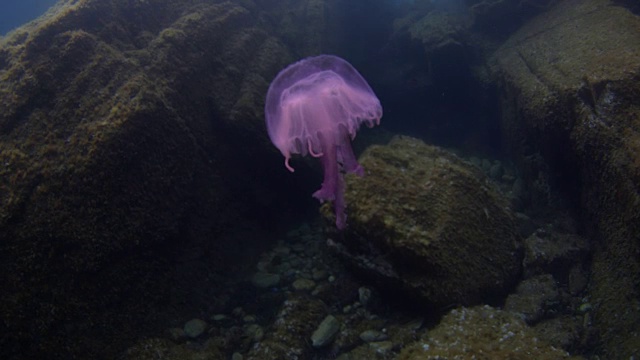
pixel 316 106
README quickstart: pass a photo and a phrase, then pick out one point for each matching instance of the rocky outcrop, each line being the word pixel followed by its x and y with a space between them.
pixel 121 130
pixel 424 222
pixel 570 83
pixel 494 333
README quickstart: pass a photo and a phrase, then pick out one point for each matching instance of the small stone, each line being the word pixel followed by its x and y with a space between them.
pixel 255 332
pixel 194 328
pixel 264 280
pixel 584 307
pixel 303 284
pixel 237 356
pixel 249 319
pixel 218 317
pixel 414 324
pixel 325 332
pixel 533 298
pixel 372 336
pixel 364 295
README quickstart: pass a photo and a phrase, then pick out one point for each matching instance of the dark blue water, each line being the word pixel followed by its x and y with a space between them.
pixel 14 13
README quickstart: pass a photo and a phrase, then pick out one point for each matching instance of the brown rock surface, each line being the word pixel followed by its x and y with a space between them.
pixel 570 81
pixel 121 130
pixel 425 222
pixel 482 332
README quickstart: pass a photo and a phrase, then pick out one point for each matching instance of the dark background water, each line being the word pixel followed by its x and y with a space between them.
pixel 14 13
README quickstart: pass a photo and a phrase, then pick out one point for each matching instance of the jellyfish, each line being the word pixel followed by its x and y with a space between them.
pixel 315 106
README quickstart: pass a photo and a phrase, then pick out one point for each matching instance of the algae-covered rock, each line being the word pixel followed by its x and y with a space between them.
pixel 426 222
pixel 289 336
pixel 154 348
pixel 303 24
pixel 481 332
pixel 121 126
pixel 438 29
pixel 570 84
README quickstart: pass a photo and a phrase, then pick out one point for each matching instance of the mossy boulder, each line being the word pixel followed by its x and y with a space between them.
pixel 482 332
pixel 289 337
pixel 121 128
pixel 570 84
pixel 150 349
pixel 427 223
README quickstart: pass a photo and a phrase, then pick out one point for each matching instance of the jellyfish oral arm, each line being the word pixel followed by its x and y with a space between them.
pixel 331 174
pixel 333 185
pixel 348 159
pixel 339 205
pixel 334 159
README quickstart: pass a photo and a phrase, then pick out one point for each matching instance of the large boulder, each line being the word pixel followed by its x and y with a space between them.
pixel 121 128
pixel 570 84
pixel 424 222
pixel 485 332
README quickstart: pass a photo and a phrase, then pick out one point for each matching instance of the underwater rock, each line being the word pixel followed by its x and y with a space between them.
pixel 289 336
pixel 533 298
pixel 438 31
pixel 303 24
pixel 494 333
pixel 570 83
pixel 194 328
pixel 325 332
pixel 552 252
pixel 499 17
pixel 373 336
pixel 119 140
pixel 303 284
pixel 430 225
pixel 153 348
pixel 565 332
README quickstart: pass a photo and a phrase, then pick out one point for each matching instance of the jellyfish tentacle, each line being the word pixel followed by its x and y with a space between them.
pixel 286 164
pixel 314 154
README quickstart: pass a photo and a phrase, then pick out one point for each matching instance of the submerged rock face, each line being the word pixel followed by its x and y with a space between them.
pixel 494 333
pixel 570 82
pixel 429 224
pixel 121 130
